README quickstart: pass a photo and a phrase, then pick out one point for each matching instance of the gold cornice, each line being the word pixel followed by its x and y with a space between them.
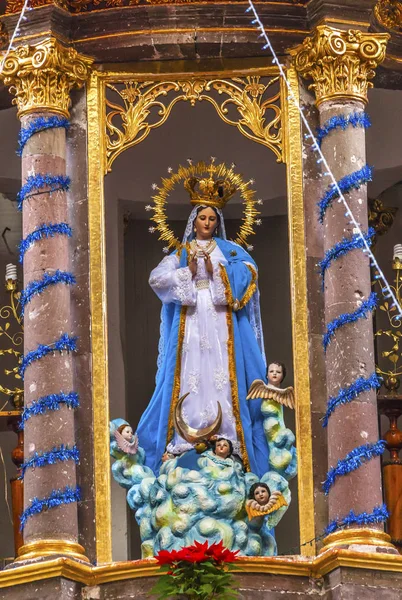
pixel 340 63
pixel 41 76
pixel 277 565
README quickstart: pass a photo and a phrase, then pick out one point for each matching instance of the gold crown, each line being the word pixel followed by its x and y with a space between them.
pixel 209 191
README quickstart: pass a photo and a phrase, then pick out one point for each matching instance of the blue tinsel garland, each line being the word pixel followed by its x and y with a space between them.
pixel 56 498
pixel 37 125
pixel 364 309
pixel 342 248
pixel 350 392
pixel 60 454
pixel 379 515
pixel 51 402
pixel 37 182
pixel 356 119
pixel 65 342
pixel 346 184
pixel 44 231
pixel 352 461
pixel 38 286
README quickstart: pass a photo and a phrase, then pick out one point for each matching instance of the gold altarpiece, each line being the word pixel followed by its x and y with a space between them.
pixel 124 107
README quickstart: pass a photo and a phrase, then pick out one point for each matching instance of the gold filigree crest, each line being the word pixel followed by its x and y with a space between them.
pixel 143 106
pixel 389 14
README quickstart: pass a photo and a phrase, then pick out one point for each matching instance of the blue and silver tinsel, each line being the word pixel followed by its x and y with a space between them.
pixel 56 498
pixel 366 307
pixel 60 454
pixel 356 119
pixel 44 231
pixel 65 342
pixel 343 247
pixel 39 124
pixel 346 184
pixel 352 461
pixel 38 182
pixel 379 515
pixel 51 402
pixel 350 392
pixel 34 288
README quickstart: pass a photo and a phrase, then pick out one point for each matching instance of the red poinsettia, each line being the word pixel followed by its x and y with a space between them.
pixel 197 571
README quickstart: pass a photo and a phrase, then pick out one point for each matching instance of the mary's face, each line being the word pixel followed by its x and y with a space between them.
pixel 205 224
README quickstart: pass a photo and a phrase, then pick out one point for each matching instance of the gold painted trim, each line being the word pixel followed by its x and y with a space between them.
pixel 277 565
pixel 233 386
pixel 177 373
pixel 298 286
pixel 335 20
pixel 41 548
pixel 98 298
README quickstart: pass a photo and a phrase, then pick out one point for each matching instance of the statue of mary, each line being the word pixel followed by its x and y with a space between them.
pixel 211 342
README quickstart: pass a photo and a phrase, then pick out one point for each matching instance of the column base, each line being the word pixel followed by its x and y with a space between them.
pixel 46 548
pixel 350 538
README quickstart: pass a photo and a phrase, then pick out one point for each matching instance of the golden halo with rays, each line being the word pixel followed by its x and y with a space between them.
pixel 220 171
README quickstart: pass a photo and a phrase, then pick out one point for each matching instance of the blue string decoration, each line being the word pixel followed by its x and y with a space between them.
pixel 48 403
pixel 356 119
pixel 343 247
pixel 350 392
pixel 352 461
pixel 34 288
pixel 353 181
pixel 38 182
pixel 60 454
pixel 44 231
pixel 366 307
pixel 379 515
pixel 56 498
pixel 39 124
pixel 65 342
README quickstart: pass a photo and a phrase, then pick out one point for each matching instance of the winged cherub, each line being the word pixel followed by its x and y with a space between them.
pixel 261 501
pixel 126 441
pixel 272 391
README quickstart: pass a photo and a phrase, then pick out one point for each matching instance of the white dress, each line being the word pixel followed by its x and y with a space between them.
pixel 204 359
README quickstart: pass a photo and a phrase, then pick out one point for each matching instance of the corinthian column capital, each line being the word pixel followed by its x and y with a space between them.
pixel 340 63
pixel 41 76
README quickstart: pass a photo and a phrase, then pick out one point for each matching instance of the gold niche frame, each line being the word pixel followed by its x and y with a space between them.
pixel 186 83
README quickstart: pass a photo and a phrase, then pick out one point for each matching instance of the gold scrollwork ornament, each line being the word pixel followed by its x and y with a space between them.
pixel 143 106
pixel 389 14
pixel 341 63
pixel 41 76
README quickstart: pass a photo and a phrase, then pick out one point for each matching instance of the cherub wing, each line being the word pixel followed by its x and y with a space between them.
pixel 259 389
pixel 125 445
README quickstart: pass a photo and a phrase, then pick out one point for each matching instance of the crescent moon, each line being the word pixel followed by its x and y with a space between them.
pixel 189 433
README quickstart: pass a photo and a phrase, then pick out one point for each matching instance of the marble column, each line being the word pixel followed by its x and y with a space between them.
pixel 340 63
pixel 41 78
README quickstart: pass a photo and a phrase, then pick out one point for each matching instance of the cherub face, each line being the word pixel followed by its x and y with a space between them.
pixel 222 449
pixel 261 495
pixel 127 433
pixel 275 374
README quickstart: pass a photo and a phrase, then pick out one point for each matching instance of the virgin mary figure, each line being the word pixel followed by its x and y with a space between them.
pixel 211 344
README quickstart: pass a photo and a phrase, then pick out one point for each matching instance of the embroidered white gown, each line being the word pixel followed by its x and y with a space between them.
pixel 204 359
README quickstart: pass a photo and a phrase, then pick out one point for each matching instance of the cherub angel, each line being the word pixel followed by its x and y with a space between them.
pixel 262 502
pixel 272 391
pixel 126 440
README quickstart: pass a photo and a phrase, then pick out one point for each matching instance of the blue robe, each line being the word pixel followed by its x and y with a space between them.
pixel 153 427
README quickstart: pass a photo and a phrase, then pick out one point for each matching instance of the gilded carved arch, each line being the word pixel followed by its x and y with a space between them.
pixel 250 103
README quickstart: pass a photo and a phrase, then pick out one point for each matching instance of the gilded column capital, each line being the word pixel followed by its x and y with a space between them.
pixel 41 76
pixel 340 63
